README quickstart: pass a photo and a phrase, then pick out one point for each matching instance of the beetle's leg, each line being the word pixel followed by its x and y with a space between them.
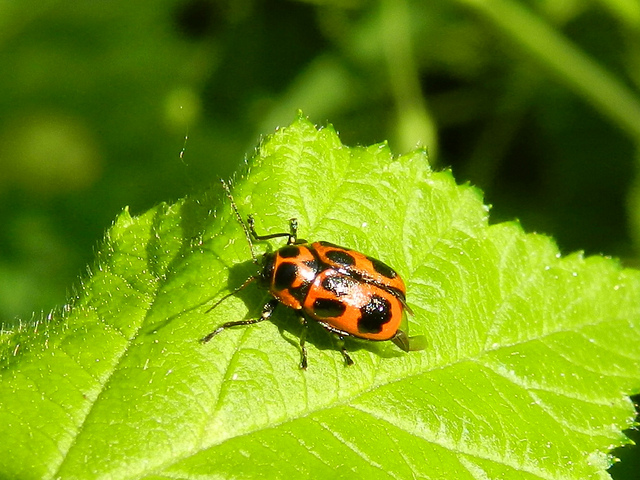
pixel 267 311
pixel 293 231
pixel 340 341
pixel 347 359
pixel 303 339
pixel 292 236
pixel 252 229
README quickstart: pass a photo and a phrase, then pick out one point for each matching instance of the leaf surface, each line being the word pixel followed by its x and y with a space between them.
pixel 530 360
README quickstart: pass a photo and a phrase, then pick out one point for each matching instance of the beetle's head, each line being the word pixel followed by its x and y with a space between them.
pixel 267 266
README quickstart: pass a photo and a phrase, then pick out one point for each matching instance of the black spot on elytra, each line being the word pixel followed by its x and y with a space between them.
pixel 338 285
pixel 285 275
pixel 341 257
pixel 327 308
pixel 374 315
pixel 290 251
pixel 300 292
pixel 382 268
pixel 312 264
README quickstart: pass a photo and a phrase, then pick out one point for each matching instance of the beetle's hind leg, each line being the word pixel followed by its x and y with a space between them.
pixel 348 361
pixel 303 339
pixel 267 311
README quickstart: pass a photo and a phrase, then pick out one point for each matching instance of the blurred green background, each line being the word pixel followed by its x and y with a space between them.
pixel 105 104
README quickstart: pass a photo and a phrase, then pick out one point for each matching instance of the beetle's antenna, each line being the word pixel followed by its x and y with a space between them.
pixel 247 233
pixel 241 287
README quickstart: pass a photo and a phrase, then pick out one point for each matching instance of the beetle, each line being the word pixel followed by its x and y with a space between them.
pixel 347 292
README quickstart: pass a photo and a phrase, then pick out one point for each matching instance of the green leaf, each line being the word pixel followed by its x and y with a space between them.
pixel 530 360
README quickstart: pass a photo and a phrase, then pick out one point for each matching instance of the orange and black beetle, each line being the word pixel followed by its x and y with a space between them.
pixel 347 292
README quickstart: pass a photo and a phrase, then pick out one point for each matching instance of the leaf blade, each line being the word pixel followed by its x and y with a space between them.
pixel 523 344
